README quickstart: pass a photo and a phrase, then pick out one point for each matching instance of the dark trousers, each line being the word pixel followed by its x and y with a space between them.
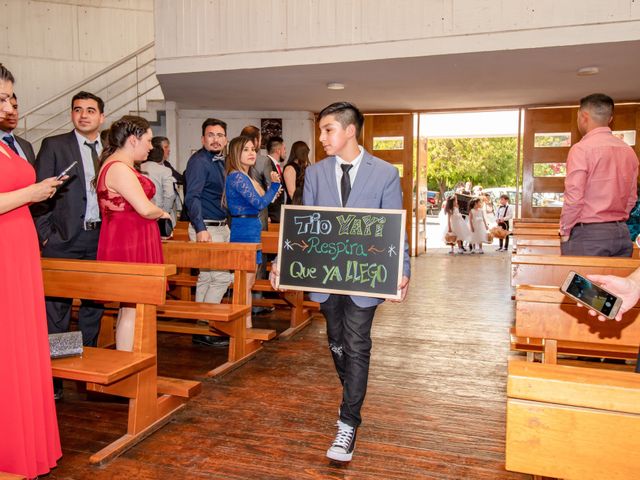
pixel 349 335
pixel 59 309
pixel 504 242
pixel 599 240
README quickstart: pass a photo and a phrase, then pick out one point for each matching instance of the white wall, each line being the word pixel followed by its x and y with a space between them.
pixel 49 45
pixel 201 35
pixel 186 134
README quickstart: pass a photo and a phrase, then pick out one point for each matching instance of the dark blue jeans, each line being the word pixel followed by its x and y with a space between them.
pixel 349 335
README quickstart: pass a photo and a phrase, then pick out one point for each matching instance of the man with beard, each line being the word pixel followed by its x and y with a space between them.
pixel 204 179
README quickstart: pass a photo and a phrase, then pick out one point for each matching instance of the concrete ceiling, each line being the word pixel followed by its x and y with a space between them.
pixel 471 80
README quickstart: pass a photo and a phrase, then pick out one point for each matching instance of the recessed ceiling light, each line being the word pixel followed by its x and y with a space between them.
pixel 587 71
pixel 335 86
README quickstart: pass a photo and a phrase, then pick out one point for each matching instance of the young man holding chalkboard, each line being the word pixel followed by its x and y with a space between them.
pixel 350 177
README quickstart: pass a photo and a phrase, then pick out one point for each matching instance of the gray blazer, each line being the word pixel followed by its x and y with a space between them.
pixel 377 185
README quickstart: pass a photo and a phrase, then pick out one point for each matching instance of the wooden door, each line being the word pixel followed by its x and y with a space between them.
pixel 390 137
pixel 548 135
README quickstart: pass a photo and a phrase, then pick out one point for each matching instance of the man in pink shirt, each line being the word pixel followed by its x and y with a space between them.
pixel 600 188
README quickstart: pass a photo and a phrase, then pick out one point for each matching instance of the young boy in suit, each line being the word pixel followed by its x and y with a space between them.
pixel 350 177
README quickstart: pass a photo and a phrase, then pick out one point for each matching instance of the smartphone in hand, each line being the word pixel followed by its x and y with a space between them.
pixel 589 294
pixel 66 170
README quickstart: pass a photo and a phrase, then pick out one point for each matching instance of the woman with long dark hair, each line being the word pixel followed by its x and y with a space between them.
pixel 29 443
pixel 245 198
pixel 129 230
pixel 293 172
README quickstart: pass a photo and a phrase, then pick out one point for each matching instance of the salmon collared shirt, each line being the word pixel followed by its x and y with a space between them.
pixel 601 181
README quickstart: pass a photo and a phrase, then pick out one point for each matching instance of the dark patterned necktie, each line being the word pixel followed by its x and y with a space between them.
pixel 94 155
pixel 11 142
pixel 345 183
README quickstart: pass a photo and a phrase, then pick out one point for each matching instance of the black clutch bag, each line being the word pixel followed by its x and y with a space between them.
pixel 166 227
pixel 66 344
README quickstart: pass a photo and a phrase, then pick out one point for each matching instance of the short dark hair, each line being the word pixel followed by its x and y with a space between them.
pixel 156 154
pixel 600 106
pixel 505 196
pixel 157 141
pixel 212 122
pixel 273 143
pixel 253 133
pixel 346 113
pixel 6 75
pixel 88 96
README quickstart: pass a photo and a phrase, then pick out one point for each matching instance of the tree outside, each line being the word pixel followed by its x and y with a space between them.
pixel 486 161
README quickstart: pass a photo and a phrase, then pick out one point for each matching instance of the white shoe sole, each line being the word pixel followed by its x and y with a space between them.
pixel 339 457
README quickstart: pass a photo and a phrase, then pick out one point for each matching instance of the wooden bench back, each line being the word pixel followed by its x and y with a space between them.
pixel 545 312
pixel 212 256
pixel 536 232
pixel 239 257
pixel 139 283
pixel 540 245
pixel 553 269
pixel 270 241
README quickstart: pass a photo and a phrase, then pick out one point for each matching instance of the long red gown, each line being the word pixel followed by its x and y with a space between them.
pixel 29 440
pixel 125 236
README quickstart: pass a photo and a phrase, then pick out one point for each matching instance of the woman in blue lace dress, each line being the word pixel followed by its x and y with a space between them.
pixel 245 198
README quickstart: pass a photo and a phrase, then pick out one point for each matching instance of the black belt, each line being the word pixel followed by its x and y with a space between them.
pixel 92 225
pixel 583 224
pixel 215 223
pixel 244 216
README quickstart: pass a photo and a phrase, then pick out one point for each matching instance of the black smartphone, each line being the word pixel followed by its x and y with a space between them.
pixel 591 295
pixel 66 170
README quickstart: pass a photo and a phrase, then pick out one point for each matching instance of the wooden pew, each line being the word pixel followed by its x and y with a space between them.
pixel 301 309
pixel 536 245
pixel 181 231
pixel 181 316
pixel 10 476
pixel 571 421
pixel 553 269
pixel 133 375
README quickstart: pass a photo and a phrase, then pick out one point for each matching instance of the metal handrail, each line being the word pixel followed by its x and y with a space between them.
pixel 90 79
pixel 51 117
pixel 36 140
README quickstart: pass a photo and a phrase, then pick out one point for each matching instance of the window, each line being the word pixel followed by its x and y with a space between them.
pixel 629 136
pixel 388 143
pixel 550 169
pixel 550 140
pixel 548 199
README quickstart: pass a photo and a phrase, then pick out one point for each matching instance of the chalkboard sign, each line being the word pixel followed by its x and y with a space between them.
pixel 355 251
pixel 463 203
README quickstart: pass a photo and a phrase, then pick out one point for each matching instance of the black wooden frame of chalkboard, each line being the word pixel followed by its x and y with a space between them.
pixel 288 210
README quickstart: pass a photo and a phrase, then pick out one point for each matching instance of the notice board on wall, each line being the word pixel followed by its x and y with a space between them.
pixel 351 251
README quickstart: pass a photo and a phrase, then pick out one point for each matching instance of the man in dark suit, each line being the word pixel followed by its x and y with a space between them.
pixel 18 144
pixel 68 225
pixel 276 151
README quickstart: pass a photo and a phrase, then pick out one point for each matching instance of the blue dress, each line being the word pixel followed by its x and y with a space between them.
pixel 244 200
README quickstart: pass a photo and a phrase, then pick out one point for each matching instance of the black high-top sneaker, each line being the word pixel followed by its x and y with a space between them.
pixel 344 444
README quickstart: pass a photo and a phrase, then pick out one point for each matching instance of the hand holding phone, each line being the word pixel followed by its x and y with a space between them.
pixel 66 170
pixel 605 304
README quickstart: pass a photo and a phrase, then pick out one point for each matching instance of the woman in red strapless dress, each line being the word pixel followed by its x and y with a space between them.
pixel 129 230
pixel 29 440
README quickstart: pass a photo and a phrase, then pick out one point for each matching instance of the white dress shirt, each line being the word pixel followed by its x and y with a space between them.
pixel 352 173
pixel 92 212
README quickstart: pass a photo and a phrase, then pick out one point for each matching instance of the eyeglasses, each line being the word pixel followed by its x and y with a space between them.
pixel 218 135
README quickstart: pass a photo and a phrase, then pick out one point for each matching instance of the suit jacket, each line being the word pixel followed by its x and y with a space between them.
pixel 377 185
pixel 27 148
pixel 263 168
pixel 60 220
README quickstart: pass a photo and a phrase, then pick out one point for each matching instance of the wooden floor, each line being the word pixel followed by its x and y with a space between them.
pixel 435 407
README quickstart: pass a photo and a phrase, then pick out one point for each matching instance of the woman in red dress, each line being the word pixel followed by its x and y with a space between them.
pixel 29 440
pixel 129 230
